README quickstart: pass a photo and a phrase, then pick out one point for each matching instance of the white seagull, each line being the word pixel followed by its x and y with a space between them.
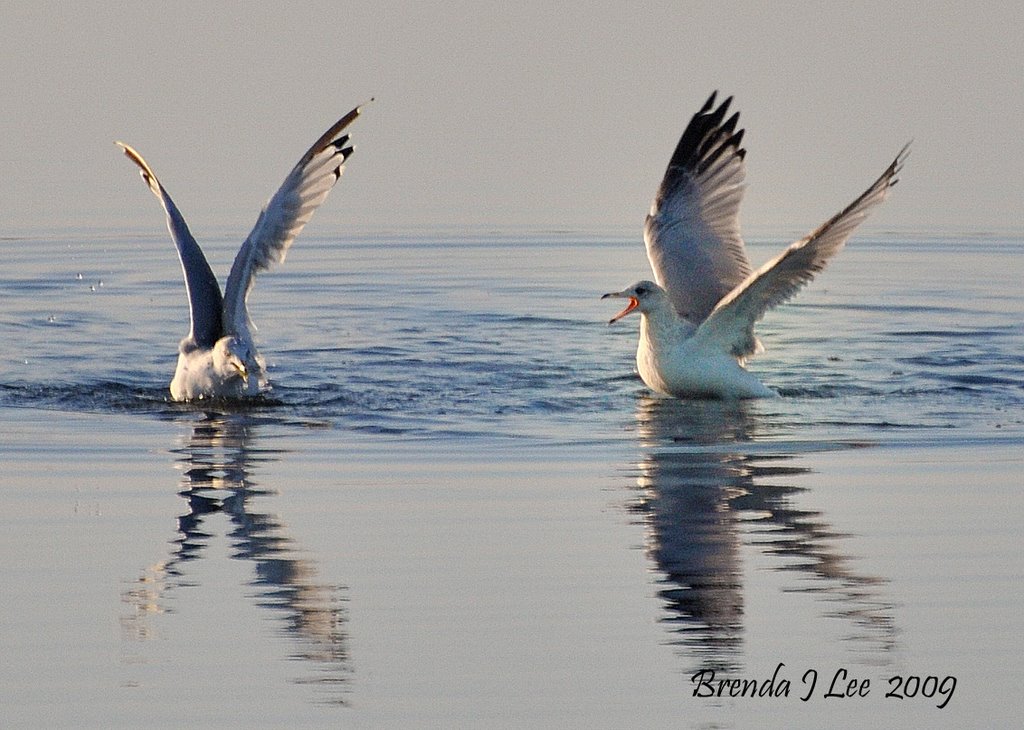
pixel 218 358
pixel 697 321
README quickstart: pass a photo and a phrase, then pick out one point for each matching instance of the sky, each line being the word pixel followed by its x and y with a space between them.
pixel 555 116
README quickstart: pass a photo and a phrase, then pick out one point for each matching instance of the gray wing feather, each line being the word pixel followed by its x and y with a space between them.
pixel 692 233
pixel 285 215
pixel 731 325
pixel 204 298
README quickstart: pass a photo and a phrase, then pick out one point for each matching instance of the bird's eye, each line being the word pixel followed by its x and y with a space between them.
pixel 641 290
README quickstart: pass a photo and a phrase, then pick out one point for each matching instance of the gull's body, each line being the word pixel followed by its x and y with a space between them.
pixel 697 321
pixel 676 358
pixel 218 358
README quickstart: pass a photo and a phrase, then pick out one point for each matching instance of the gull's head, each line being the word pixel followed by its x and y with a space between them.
pixel 229 359
pixel 643 297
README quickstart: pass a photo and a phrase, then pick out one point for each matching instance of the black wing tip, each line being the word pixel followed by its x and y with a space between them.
pixel 345 154
pixel 901 158
pixel 891 175
pixel 707 137
pixel 333 137
pixel 731 122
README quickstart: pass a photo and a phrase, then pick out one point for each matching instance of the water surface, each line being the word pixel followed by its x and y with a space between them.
pixel 459 506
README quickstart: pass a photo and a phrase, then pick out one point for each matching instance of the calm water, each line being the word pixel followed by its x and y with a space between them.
pixel 460 507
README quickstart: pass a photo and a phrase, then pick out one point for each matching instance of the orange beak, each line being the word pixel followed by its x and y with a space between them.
pixel 633 304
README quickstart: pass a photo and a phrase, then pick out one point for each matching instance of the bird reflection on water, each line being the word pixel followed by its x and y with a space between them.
pixel 217 463
pixel 703 489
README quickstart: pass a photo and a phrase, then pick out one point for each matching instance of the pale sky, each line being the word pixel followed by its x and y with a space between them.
pixel 554 115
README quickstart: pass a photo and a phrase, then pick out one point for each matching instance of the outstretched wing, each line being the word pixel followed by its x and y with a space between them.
pixel 693 230
pixel 730 326
pixel 285 215
pixel 204 298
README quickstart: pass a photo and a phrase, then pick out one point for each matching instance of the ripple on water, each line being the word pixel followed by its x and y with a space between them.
pixel 464 347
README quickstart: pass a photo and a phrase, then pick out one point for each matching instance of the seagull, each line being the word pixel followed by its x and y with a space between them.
pixel 218 358
pixel 697 320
